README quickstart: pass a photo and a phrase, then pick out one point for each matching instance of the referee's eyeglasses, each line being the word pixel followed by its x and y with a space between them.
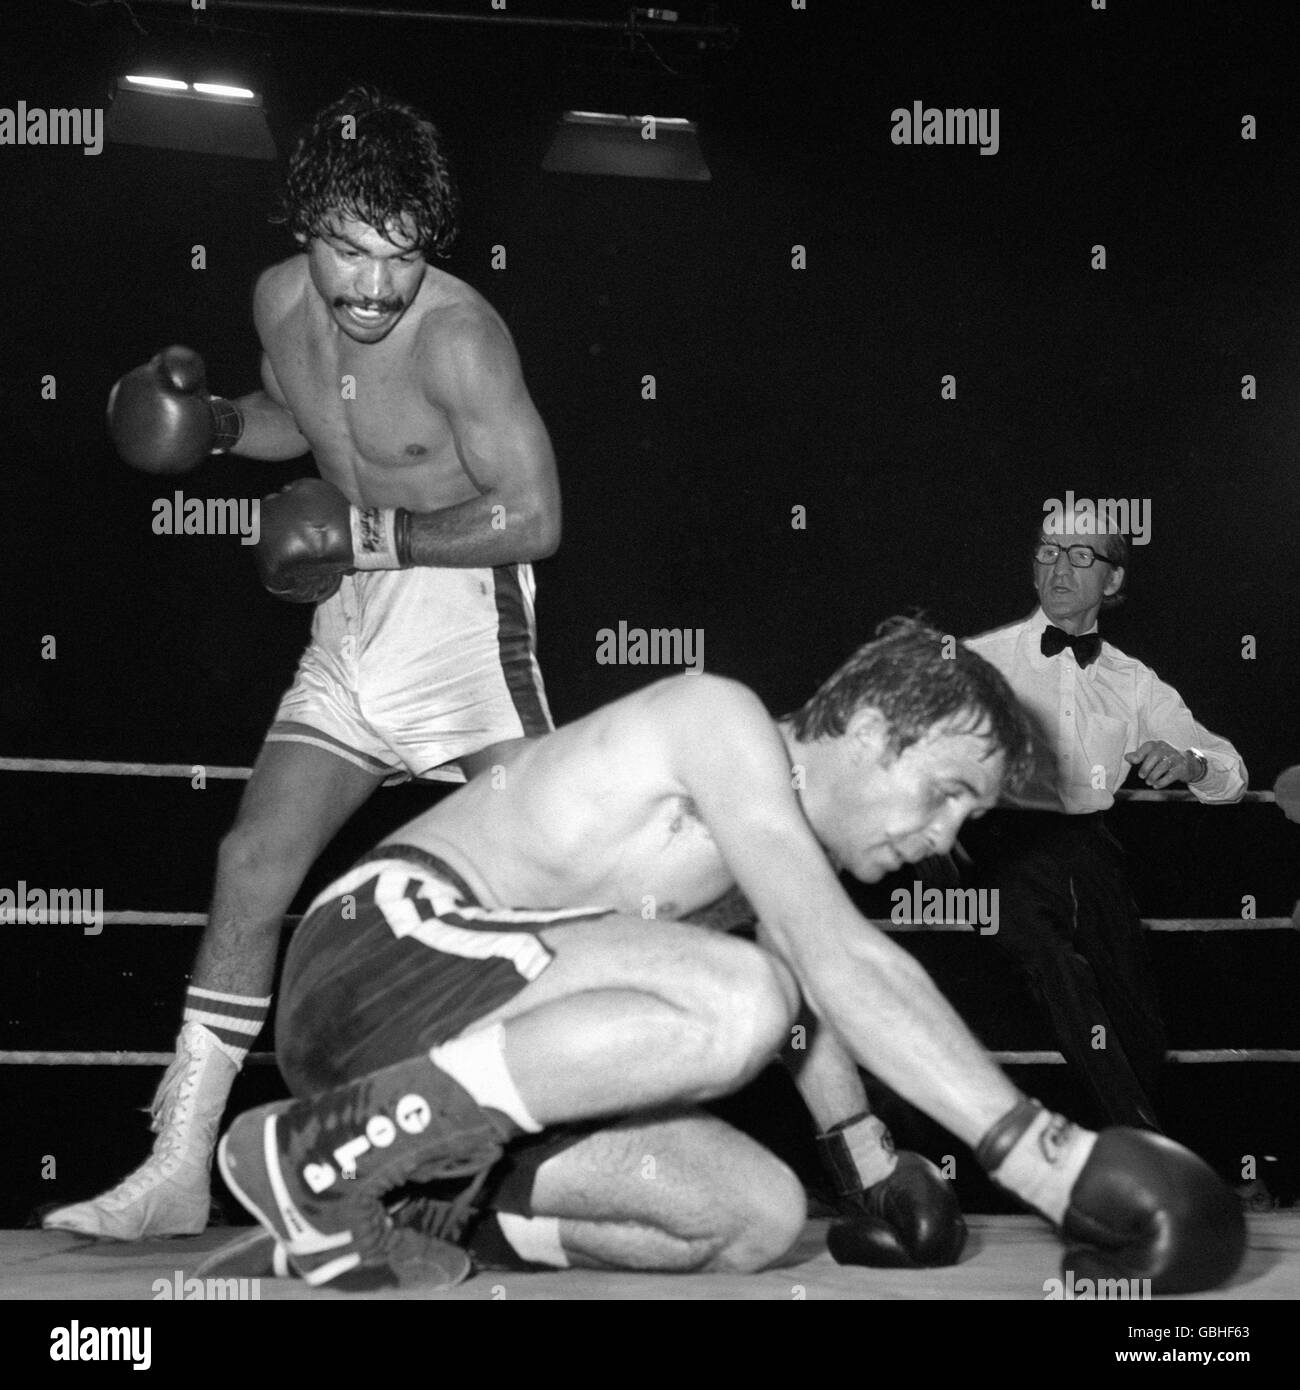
pixel 1082 557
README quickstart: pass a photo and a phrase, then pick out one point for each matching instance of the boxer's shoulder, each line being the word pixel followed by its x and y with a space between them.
pixel 702 720
pixel 677 708
pixel 698 695
pixel 456 329
pixel 278 288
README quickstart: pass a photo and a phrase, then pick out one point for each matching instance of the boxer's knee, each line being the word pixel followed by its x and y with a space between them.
pixel 751 1006
pixel 769 1223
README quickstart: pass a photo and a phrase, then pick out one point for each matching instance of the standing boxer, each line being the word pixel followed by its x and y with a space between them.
pixel 437 490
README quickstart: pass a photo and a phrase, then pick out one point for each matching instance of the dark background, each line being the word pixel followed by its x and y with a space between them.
pixel 776 388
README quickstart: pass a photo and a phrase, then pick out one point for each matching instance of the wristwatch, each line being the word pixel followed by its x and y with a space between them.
pixel 1205 765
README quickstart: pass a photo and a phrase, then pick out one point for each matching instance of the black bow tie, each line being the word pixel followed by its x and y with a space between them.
pixel 1086 649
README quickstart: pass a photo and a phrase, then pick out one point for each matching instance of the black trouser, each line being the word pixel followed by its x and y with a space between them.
pixel 1067 919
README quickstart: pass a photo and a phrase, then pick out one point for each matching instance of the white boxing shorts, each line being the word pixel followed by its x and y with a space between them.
pixel 407 670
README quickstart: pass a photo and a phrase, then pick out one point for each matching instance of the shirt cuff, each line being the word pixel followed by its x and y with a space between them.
pixel 1222 781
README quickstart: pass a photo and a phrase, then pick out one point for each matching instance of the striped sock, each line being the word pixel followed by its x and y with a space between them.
pixel 234 1020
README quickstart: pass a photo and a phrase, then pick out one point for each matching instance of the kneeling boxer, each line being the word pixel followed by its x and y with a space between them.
pixel 506 996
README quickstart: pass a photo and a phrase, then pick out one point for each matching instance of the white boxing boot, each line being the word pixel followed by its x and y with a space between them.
pixel 169 1194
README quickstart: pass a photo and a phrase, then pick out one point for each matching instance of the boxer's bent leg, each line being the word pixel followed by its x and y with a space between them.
pixel 634 1014
pixel 609 1015
pixel 295 801
pixel 681 1191
pixel 677 1193
pixel 601 1016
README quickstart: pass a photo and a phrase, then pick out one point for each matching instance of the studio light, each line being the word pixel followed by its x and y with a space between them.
pixel 204 117
pixel 637 147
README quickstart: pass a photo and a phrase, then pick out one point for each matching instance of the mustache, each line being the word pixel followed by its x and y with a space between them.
pixel 386 306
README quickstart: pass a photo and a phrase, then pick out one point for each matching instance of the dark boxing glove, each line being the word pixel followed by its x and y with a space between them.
pixel 311 536
pixel 896 1211
pixel 162 419
pixel 1130 1204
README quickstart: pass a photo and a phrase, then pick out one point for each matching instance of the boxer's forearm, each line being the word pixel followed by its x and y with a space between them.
pixel 269 431
pixel 897 1025
pixel 488 530
pixel 827 1077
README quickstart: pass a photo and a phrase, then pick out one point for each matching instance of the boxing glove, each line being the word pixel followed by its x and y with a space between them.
pixel 1129 1204
pixel 895 1210
pixel 162 419
pixel 311 536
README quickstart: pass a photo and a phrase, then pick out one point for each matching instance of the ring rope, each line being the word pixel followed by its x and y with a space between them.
pixel 1182 794
pixel 1151 923
pixel 187 770
pixel 62 1058
pixel 128 917
pixel 82 765
pixel 131 917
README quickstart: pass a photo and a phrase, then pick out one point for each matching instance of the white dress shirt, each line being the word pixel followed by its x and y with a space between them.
pixel 1091 717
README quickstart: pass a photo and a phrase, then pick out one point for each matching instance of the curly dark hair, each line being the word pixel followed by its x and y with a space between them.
pixel 369 157
pixel 922 682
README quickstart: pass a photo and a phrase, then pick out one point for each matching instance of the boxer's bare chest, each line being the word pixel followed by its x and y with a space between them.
pixel 659 861
pixel 680 858
pixel 365 411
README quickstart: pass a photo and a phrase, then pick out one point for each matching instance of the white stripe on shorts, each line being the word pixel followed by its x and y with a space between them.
pixel 529 955
pixel 525 952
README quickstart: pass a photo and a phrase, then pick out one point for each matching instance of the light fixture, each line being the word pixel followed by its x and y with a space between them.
pixel 638 147
pixel 204 117
pixel 160 84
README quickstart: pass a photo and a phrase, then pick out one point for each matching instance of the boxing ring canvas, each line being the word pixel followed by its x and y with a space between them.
pixel 1007 1258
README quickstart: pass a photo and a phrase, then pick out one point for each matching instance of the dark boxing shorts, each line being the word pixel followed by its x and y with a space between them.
pixel 395 958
